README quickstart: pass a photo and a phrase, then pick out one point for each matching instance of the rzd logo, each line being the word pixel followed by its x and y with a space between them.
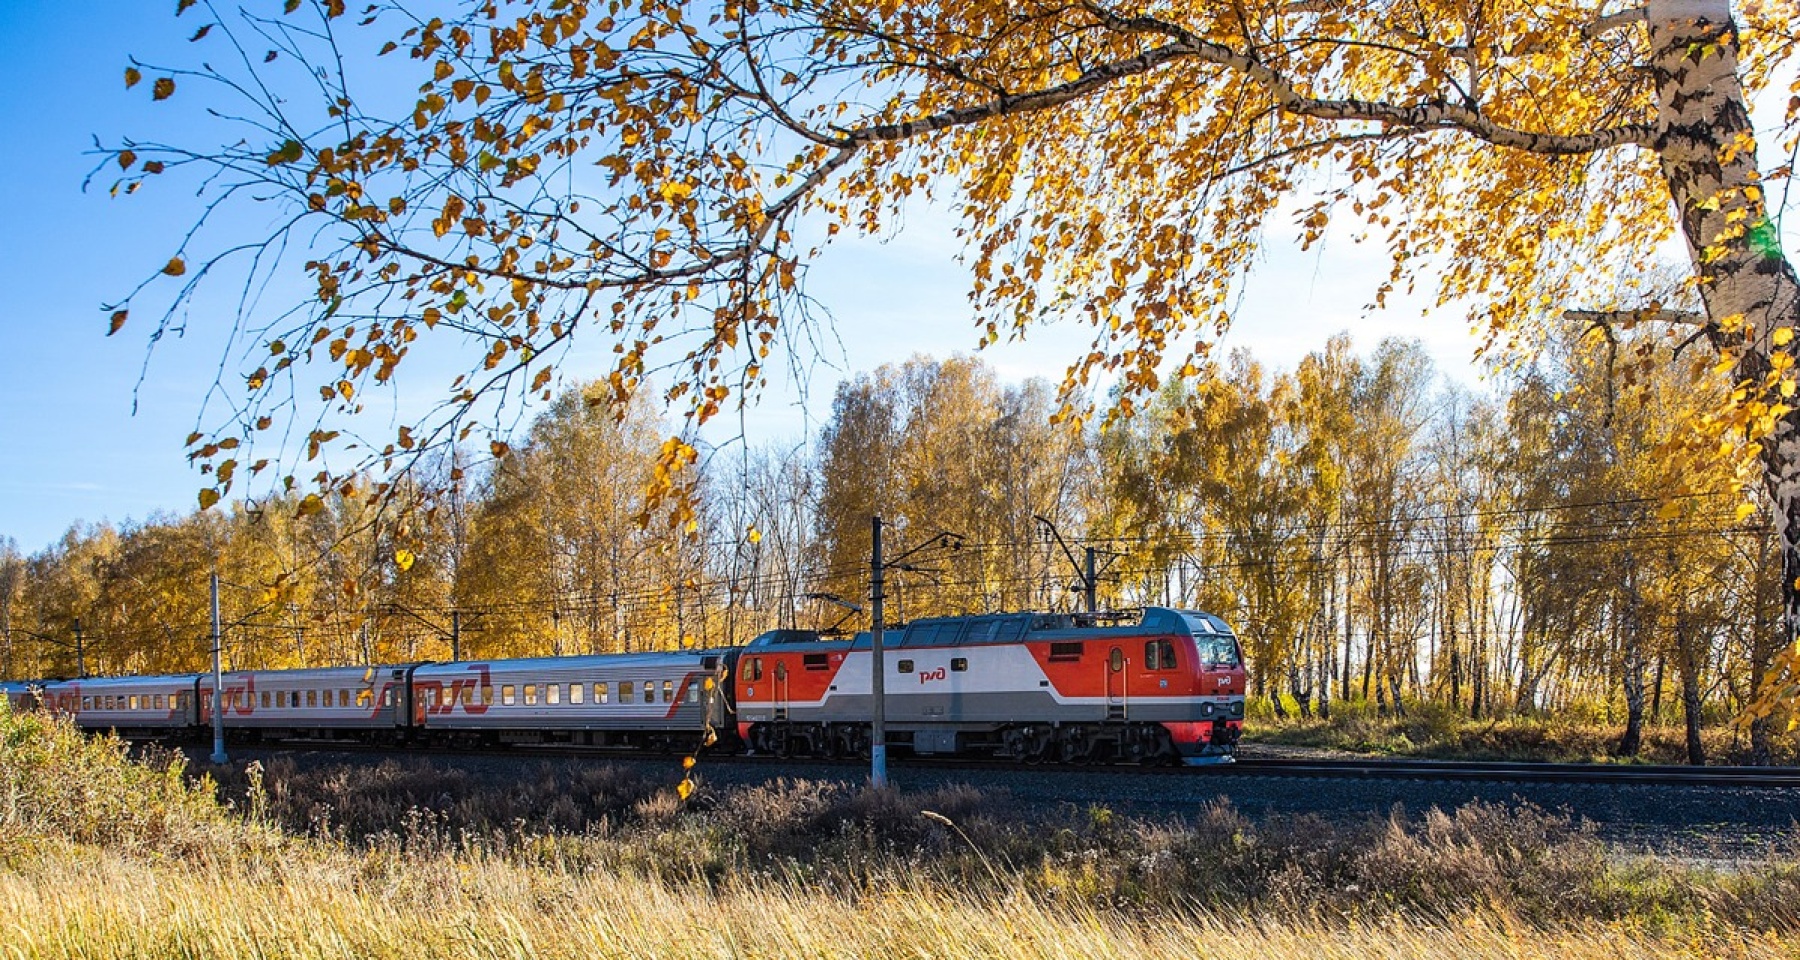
pixel 937 673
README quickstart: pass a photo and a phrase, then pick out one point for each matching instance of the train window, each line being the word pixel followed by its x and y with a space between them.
pixel 294 699
pixel 906 666
pixel 133 702
pixel 668 690
pixel 431 695
pixel 487 694
pixel 553 693
pixel 815 661
pixel 87 703
pixel 1218 651
pixel 600 694
pixel 343 697
pixel 1116 660
pixel 1159 655
pixel 625 691
pixel 649 691
pixel 531 694
pixel 1063 652
pixel 780 670
pixel 265 699
pixel 575 691
pixel 693 693
pixel 160 705
pixel 959 664
pixel 754 673
pixel 468 696
pixel 387 697
pixel 312 698
pixel 507 696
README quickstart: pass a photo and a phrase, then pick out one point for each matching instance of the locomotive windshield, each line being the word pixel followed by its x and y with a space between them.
pixel 1213 640
pixel 1219 650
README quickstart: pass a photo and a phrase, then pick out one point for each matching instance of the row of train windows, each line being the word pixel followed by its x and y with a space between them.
pixel 145 701
pixel 531 694
pixel 297 699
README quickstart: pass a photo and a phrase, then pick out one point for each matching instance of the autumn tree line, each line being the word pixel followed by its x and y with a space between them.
pixel 1375 533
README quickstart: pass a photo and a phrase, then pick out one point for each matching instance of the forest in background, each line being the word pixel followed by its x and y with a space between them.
pixel 1554 545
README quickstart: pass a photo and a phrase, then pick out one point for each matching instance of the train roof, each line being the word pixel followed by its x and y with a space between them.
pixel 303 674
pixel 609 660
pixel 1008 628
pixel 102 683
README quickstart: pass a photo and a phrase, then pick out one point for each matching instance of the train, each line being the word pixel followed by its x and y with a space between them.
pixel 1032 687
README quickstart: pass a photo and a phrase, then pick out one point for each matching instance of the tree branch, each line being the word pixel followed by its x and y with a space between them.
pixel 1185 45
pixel 1653 314
pixel 1613 21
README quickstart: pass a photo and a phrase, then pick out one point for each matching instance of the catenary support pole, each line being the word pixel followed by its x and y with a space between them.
pixel 218 710
pixel 1088 582
pixel 878 777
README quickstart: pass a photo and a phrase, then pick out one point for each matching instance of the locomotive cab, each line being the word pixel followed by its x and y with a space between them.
pixel 1214 668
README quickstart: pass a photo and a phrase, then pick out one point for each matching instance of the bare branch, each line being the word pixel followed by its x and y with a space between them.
pixel 1652 314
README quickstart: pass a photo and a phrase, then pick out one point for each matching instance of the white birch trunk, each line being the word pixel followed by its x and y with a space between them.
pixel 1708 156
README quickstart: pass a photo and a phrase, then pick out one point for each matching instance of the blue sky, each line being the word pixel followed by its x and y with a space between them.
pixel 72 449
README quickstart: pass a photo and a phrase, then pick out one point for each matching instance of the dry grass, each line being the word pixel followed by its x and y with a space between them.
pixel 110 906
pixel 105 857
pixel 1437 732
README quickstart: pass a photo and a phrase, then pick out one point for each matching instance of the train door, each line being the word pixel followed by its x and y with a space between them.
pixel 1115 684
pixel 402 693
pixel 780 690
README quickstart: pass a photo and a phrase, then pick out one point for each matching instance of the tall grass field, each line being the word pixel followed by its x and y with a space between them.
pixel 104 853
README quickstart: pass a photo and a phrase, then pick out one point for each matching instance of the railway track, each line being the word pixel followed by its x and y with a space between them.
pixel 1767 778
pixel 1579 773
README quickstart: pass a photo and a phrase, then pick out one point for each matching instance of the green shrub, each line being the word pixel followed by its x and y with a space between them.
pixel 57 783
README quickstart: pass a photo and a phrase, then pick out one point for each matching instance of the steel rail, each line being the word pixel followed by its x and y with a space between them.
pixel 1513 772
